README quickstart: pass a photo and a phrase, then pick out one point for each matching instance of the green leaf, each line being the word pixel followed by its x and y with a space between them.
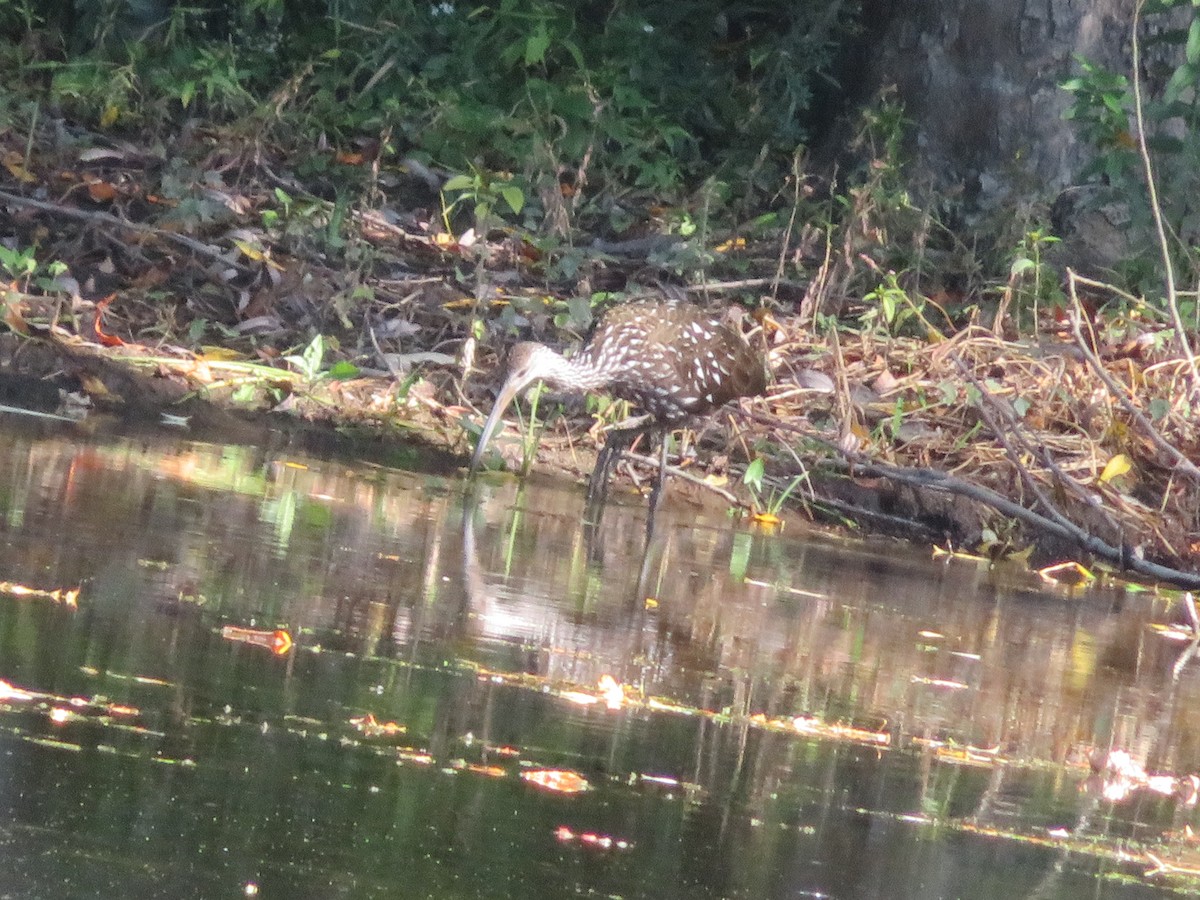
pixel 754 474
pixel 536 45
pixel 577 54
pixel 459 183
pixel 1022 265
pixel 739 555
pixel 1114 102
pixel 1192 50
pixel 1182 78
pixel 343 370
pixel 513 196
pixel 313 354
pixel 887 306
pixel 245 394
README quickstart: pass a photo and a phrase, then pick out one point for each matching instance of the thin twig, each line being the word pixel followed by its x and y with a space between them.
pixel 1038 450
pixel 653 461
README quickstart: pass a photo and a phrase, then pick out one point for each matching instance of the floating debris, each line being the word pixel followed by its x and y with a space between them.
pixel 610 691
pixel 372 727
pixel 565 835
pixel 1117 776
pixel 13 694
pixel 939 682
pixel 65 596
pixel 1068 573
pixel 561 781
pixel 811 725
pixel 277 641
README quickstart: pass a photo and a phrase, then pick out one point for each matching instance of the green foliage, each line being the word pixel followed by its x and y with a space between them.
pixel 642 96
pixel 19 265
pixel 1034 283
pixel 22 267
pixel 755 478
pixel 484 194
pixel 894 307
pixel 308 363
pixel 888 305
pixel 1103 110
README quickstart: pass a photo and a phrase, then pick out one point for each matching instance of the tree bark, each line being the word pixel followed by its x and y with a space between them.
pixel 980 82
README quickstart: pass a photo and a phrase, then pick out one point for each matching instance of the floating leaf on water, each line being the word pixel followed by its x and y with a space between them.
pixel 564 835
pixel 561 781
pixel 372 727
pixel 65 596
pixel 277 641
pixel 488 771
pixel 419 757
pixel 1069 573
pixel 12 693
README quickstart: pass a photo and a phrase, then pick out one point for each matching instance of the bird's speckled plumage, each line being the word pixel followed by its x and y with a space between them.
pixel 670 359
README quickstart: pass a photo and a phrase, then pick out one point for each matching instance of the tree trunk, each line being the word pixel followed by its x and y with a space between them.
pixel 981 83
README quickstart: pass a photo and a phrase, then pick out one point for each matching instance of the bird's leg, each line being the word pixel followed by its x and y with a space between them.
pixel 614 445
pixel 620 437
pixel 657 491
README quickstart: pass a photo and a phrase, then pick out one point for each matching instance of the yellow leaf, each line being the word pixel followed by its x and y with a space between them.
pixel 220 354
pixel 16 167
pixel 256 254
pixel 109 117
pixel 1118 465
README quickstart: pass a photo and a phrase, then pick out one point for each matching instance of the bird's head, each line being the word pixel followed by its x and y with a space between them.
pixel 527 362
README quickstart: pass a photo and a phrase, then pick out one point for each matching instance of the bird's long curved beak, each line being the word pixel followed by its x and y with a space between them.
pixel 512 387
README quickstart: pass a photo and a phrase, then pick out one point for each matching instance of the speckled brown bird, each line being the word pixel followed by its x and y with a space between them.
pixel 669 359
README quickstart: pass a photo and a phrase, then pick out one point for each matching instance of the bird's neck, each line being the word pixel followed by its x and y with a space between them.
pixel 578 373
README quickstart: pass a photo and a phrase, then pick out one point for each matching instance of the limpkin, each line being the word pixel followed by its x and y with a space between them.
pixel 670 359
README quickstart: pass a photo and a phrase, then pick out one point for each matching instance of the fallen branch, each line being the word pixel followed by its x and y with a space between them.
pixel 97 217
pixel 1123 557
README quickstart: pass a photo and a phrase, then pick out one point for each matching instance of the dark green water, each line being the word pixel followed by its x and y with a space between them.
pixel 161 759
